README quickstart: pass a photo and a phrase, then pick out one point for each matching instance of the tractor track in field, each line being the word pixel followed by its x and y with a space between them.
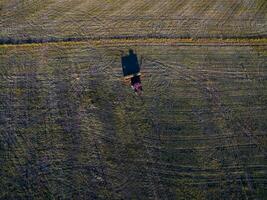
pixel 71 129
pixel 89 71
pixel 234 148
pixel 80 19
pixel 212 95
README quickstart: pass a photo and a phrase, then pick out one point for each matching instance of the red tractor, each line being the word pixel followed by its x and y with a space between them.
pixel 131 70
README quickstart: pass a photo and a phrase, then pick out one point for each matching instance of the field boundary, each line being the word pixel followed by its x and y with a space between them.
pixel 144 41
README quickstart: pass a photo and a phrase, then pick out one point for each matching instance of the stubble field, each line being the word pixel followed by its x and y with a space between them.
pixel 71 128
pixel 65 19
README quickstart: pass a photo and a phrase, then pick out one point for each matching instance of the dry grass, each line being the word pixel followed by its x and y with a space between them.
pixel 171 18
pixel 71 128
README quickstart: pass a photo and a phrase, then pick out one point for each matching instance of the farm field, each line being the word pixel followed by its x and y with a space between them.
pixel 71 129
pixel 67 19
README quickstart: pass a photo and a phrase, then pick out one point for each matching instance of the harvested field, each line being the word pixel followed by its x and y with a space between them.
pixel 54 20
pixel 71 128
